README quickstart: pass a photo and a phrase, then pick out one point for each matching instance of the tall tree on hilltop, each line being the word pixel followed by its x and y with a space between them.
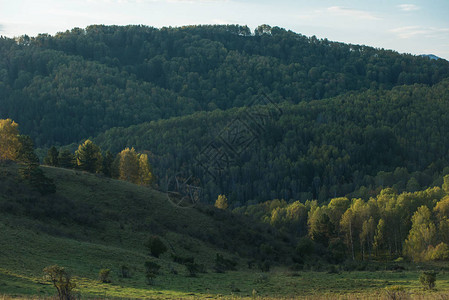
pixel 66 159
pixel 145 174
pixel 9 141
pixel 108 161
pixel 88 157
pixel 52 157
pixel 129 165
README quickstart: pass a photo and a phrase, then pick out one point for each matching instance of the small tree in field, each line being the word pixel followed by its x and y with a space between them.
pixel 151 270
pixel 428 279
pixel 103 275
pixel 221 202
pixel 61 280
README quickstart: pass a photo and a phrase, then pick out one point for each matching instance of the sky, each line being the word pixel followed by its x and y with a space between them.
pixel 408 26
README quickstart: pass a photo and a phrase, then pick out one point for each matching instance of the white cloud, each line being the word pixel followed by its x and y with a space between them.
pixel 408 32
pixel 408 7
pixel 352 13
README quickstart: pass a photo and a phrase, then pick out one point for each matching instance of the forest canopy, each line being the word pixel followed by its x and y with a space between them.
pixel 76 84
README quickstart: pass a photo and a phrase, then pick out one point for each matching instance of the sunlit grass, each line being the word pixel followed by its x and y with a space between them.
pixel 248 284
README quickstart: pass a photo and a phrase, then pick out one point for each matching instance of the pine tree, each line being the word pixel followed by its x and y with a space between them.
pixel 88 157
pixel 52 157
pixel 66 159
pixel 108 162
pixel 29 169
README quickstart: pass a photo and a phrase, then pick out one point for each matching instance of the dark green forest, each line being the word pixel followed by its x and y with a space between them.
pixel 255 115
pixel 76 84
pixel 354 144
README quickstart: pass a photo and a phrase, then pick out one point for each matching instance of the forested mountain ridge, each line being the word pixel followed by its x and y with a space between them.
pixel 357 143
pixel 79 83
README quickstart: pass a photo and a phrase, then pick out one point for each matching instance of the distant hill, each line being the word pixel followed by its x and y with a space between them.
pixel 431 56
pixel 65 88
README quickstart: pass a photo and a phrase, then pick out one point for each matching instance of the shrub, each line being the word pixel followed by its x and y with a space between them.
pixel 265 266
pixel 305 247
pixel 222 264
pixel 396 292
pixel 182 260
pixel 427 279
pixel 125 272
pixel 103 275
pixel 156 246
pixel 61 280
pixel 333 269
pixel 193 269
pixel 151 270
pixel 262 278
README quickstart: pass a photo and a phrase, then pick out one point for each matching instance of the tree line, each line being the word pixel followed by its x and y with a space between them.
pixel 127 165
pixel 386 226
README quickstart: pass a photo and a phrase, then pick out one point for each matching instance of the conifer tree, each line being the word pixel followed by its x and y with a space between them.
pixel 108 161
pixel 66 159
pixel 88 157
pixel 52 157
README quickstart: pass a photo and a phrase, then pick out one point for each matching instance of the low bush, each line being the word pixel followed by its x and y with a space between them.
pixel 428 279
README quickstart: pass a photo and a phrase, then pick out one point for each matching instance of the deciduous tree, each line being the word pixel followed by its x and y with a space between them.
pixel 221 202
pixel 9 141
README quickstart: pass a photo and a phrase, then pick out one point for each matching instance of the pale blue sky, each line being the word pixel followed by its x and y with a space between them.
pixel 410 26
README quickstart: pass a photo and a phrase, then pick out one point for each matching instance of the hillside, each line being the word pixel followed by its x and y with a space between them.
pixel 94 222
pixel 79 83
pixel 354 144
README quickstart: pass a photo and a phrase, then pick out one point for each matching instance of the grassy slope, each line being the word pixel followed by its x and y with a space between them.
pixel 94 222
pixel 115 236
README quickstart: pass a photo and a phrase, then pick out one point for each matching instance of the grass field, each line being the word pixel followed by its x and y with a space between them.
pixel 238 284
pixel 94 223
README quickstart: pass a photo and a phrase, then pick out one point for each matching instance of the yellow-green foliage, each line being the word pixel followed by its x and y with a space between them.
pixel 134 167
pixel 221 202
pixel 9 142
pixel 88 157
pixel 375 228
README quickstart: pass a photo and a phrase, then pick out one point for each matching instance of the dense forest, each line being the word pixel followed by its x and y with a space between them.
pixel 62 89
pixel 354 144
